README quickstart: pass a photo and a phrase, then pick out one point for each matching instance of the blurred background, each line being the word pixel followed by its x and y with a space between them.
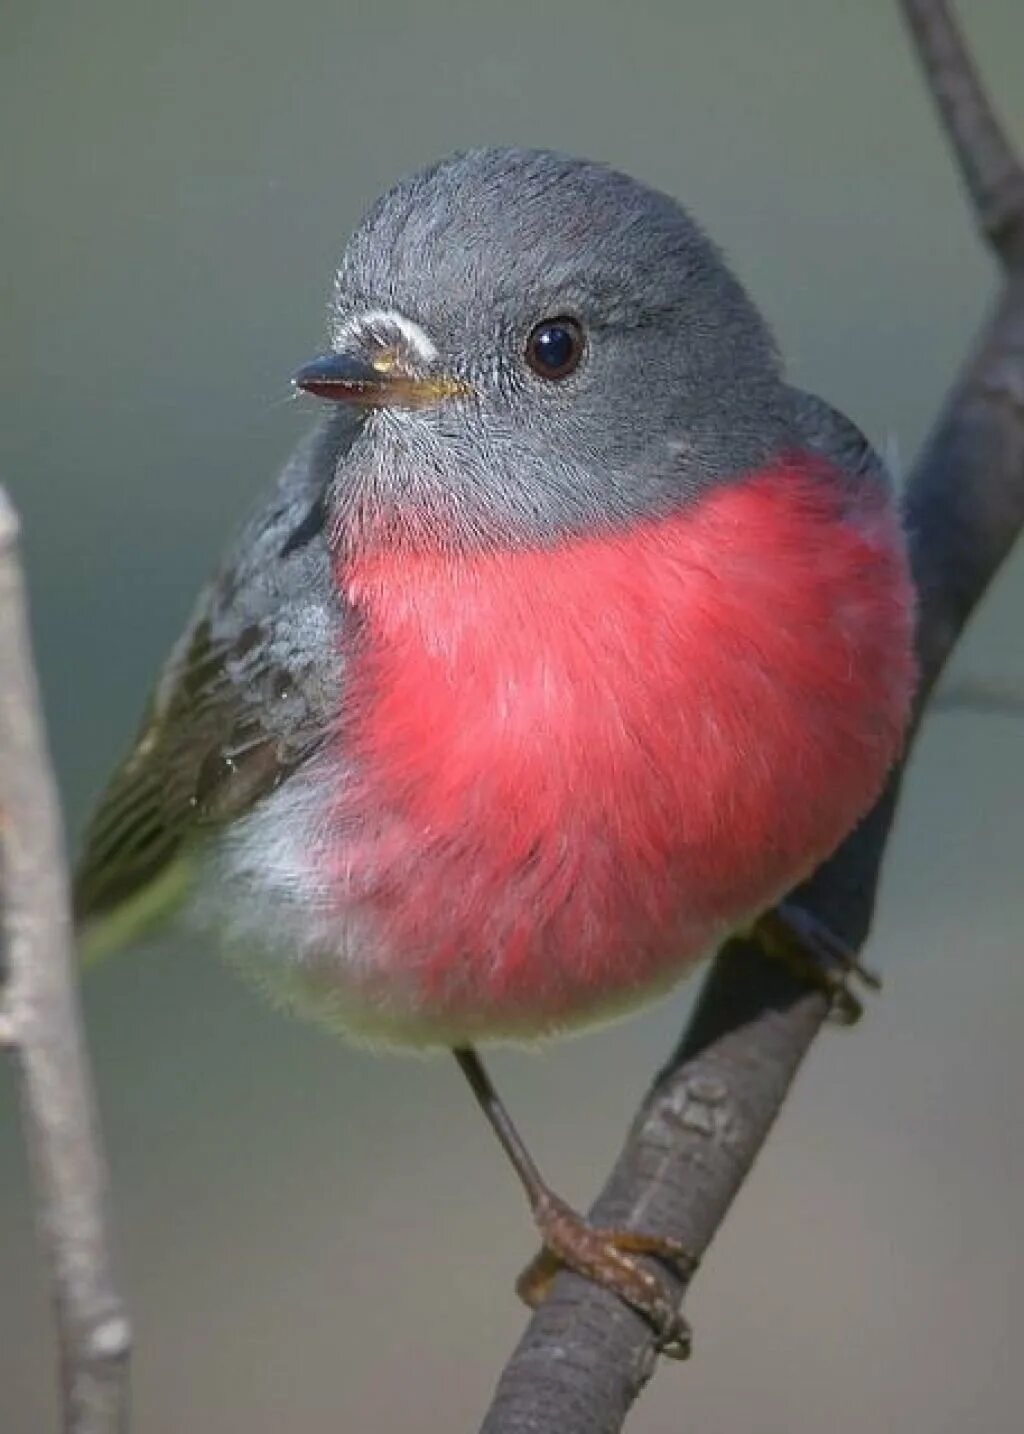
pixel 318 1239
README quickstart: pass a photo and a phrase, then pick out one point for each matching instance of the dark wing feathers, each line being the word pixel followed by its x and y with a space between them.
pixel 836 437
pixel 204 754
pixel 247 695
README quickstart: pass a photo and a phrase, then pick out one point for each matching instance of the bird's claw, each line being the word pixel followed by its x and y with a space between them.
pixel 814 953
pixel 608 1258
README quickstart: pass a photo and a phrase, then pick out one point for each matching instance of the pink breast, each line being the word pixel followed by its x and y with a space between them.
pixel 577 766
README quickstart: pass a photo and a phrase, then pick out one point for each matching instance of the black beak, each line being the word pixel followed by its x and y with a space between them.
pixel 348 378
pixel 343 377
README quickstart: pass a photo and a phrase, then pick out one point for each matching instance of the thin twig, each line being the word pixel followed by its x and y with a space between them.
pixel 585 1357
pixel 40 1024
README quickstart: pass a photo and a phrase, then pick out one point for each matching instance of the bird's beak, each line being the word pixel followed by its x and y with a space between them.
pixel 378 381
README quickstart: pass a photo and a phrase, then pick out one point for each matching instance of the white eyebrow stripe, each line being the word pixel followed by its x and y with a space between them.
pixel 374 319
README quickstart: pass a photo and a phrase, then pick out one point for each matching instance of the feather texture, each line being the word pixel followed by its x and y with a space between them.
pixel 559 775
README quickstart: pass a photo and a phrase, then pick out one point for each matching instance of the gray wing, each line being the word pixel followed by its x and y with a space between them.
pixel 247 695
pixel 833 435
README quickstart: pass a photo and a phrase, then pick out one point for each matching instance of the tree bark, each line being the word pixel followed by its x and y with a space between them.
pixel 41 1025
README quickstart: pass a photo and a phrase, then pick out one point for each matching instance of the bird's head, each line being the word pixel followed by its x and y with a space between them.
pixel 538 346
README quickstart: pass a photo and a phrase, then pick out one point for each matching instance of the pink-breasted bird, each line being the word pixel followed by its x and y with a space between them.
pixel 570 640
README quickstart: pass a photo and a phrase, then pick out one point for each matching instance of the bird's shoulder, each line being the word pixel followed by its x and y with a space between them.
pixel 824 430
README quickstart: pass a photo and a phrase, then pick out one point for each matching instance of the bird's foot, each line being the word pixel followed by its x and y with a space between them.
pixel 608 1257
pixel 815 954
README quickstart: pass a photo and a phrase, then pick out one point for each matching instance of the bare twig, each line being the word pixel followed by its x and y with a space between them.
pixel 585 1357
pixel 991 169
pixel 40 1023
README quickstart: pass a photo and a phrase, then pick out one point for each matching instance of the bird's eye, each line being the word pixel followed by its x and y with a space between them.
pixel 555 347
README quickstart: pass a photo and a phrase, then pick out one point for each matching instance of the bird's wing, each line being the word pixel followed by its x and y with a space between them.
pixel 247 695
pixel 837 438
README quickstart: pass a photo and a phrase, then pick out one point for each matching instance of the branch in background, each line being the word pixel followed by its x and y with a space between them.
pixel 585 1357
pixel 990 168
pixel 41 1025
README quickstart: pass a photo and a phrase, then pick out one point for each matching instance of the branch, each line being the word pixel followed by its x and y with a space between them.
pixel 990 168
pixel 40 1023
pixel 585 1357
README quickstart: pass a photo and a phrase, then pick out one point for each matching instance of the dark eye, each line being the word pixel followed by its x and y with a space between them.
pixel 555 347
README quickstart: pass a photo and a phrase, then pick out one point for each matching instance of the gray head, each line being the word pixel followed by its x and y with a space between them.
pixel 537 346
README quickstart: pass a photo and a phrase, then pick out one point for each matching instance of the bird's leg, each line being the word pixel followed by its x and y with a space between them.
pixel 605 1256
pixel 815 954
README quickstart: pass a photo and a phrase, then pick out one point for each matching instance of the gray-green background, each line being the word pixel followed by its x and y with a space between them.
pixel 316 1239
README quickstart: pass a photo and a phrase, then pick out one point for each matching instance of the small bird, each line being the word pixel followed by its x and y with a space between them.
pixel 570 640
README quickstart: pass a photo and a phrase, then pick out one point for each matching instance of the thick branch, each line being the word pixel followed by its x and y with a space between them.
pixel 40 1023
pixel 585 1357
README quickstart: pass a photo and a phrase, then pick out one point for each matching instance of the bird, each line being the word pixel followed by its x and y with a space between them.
pixel 569 641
